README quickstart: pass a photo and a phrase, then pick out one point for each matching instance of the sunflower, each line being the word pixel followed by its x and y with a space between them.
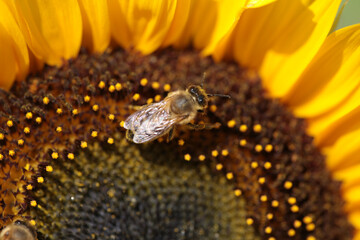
pixel 283 163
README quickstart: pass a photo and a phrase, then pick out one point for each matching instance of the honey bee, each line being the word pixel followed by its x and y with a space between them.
pixel 158 119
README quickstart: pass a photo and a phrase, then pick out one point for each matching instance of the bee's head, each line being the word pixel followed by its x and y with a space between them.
pixel 198 94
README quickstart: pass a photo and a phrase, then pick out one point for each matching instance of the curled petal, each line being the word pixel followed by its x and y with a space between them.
pixel 280 39
pixel 141 24
pixel 332 77
pixel 14 56
pixel 52 28
pixel 96 25
pixel 178 24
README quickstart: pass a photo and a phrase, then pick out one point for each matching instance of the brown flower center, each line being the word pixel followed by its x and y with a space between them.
pixel 65 157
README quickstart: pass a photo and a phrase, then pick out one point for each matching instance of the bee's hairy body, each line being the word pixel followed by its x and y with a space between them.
pixel 157 119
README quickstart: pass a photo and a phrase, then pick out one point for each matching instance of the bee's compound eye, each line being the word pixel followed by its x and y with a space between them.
pixel 193 90
pixel 201 100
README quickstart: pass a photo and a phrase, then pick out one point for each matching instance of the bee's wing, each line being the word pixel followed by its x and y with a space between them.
pixel 152 121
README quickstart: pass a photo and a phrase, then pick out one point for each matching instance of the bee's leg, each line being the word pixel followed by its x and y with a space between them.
pixel 129 135
pixel 135 107
pixel 202 126
pixel 171 134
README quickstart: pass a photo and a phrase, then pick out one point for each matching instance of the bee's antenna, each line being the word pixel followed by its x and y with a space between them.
pixel 203 80
pixel 218 95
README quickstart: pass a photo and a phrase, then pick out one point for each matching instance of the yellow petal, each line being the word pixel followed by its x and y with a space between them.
pixel 345 152
pixel 96 24
pixel 52 28
pixel 299 39
pixel 352 197
pixel 346 124
pixel 142 24
pixel 178 23
pixel 280 39
pixel 208 22
pixel 14 57
pixel 209 33
pixel 258 3
pixel 331 78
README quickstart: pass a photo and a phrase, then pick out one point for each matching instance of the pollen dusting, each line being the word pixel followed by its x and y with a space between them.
pixel 58 126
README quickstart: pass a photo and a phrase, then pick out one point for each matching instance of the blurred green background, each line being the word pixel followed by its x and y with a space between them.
pixel 350 15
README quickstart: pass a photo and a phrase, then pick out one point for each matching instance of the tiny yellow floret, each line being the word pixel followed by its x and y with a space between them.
pixel 83 144
pixel 242 142
pixel 111 88
pixel 29 115
pixel 310 227
pixel 55 155
pixel 101 84
pixel 249 221
pixel 157 98
pixel 268 148
pixel 70 156
pixel 267 165
pixel 143 82
pixel 288 185
pixel 291 232
pixel 307 219
pixel 231 123
pixel 201 157
pixel 257 128
pixel 155 85
pixel 274 203
pixel 213 108
pixel 291 200
pixel 38 120
pixel 110 140
pixel 294 208
pixel 229 175
pixel 261 180
pixel 167 87
pixel 46 100
pixel 243 128
pixel 254 165
pixel 268 230
pixel 111 117
pixel 49 168
pixel 187 157
pixel 297 223
pixel 136 97
pixel 26 130
pixel 11 153
pixel 258 148
pixel 214 153
pixel 237 192
pixel 94 134
pixel 95 107
pixel 9 123
pixel 75 112
pixel 118 86
pixel 225 152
